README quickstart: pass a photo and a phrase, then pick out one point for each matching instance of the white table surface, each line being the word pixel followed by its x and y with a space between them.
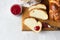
pixel 10 26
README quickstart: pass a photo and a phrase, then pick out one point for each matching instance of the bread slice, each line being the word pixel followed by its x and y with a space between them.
pixel 32 23
pixel 41 6
pixel 26 0
pixel 40 14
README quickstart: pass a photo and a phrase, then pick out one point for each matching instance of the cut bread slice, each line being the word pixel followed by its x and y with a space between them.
pixel 26 0
pixel 40 14
pixel 41 6
pixel 32 23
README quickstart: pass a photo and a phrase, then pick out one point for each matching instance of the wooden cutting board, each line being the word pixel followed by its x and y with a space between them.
pixel 55 25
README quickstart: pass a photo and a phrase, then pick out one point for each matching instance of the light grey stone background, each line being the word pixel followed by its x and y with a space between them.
pixel 10 26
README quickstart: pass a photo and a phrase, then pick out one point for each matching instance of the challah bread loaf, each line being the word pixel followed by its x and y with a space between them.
pixel 54 10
